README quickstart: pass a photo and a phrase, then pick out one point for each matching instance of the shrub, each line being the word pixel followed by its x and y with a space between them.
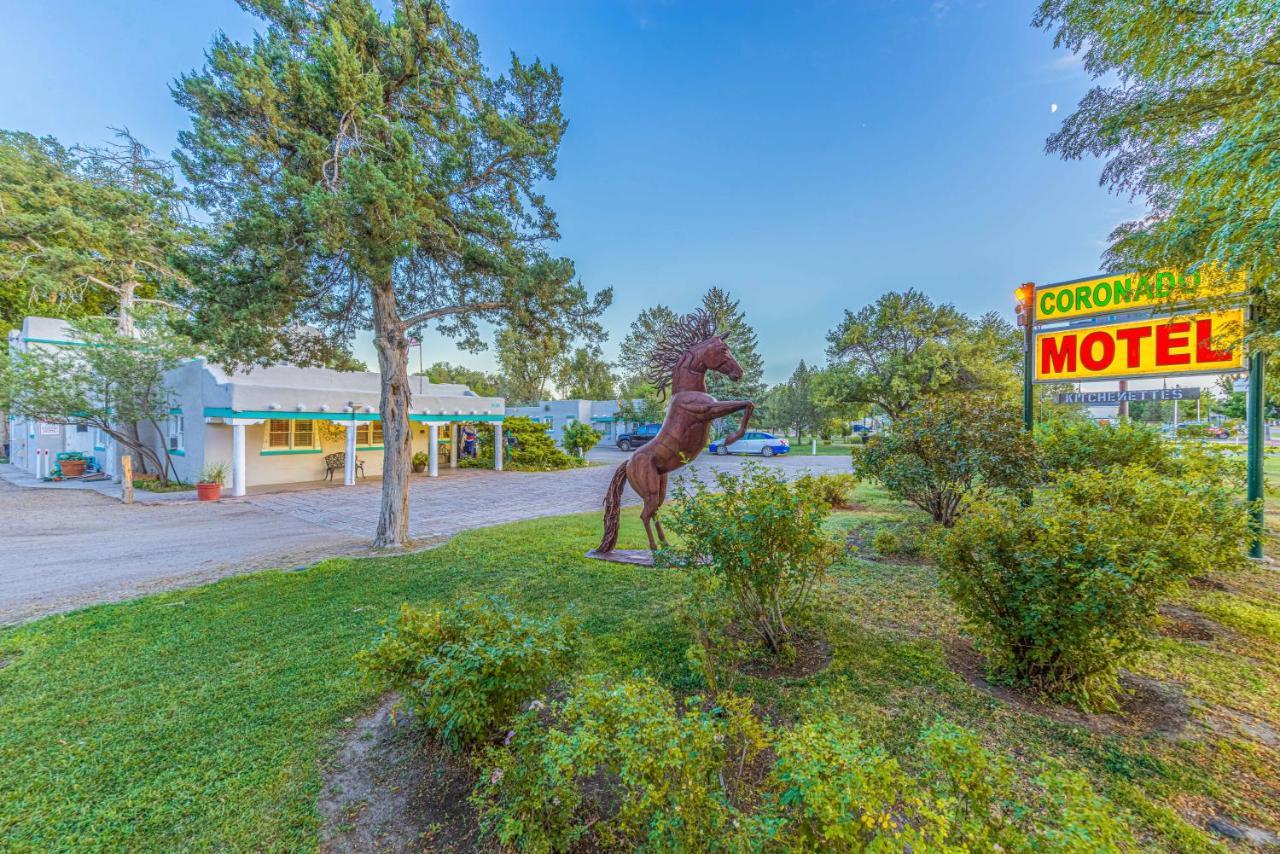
pixel 529 448
pixel 1061 593
pixel 946 444
pixel 621 765
pixel 763 537
pixel 885 542
pixel 1071 444
pixel 835 489
pixel 466 670
pixel 578 438
pixel 421 458
pixel 671 771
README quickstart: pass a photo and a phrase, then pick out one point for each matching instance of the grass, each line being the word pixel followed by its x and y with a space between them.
pixel 203 718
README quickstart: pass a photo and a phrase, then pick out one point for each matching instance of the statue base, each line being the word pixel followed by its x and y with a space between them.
pixel 634 557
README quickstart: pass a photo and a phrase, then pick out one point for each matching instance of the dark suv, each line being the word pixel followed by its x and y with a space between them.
pixel 636 438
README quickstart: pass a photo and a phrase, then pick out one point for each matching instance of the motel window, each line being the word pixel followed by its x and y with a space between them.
pixel 369 433
pixel 177 431
pixel 286 434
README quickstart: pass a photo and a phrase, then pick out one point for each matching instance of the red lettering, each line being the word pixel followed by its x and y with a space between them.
pixel 1165 342
pixel 1204 344
pixel 1058 355
pixel 1132 339
pixel 1087 357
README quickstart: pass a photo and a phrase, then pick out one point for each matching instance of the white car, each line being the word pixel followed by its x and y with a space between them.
pixel 753 442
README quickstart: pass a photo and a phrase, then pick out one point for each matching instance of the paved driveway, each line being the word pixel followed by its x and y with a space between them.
pixel 474 498
pixel 63 548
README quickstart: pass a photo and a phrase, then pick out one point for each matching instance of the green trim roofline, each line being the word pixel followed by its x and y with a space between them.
pixel 292 451
pixel 226 412
pixel 59 343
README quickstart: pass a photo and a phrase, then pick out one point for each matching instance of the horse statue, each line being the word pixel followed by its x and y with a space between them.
pixel 679 362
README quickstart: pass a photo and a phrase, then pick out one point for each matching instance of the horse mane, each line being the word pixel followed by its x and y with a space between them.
pixel 675 341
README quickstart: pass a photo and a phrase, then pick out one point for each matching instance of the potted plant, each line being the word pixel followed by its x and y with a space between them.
pixel 420 461
pixel 71 464
pixel 209 486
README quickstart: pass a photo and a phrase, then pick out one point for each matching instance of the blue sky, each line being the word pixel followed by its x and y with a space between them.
pixel 807 156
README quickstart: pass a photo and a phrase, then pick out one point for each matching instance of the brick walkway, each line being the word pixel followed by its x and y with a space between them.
pixel 475 498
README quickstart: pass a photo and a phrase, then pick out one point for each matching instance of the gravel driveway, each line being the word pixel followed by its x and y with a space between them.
pixel 62 549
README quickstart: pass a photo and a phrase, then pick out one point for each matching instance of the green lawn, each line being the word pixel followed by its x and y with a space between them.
pixel 202 718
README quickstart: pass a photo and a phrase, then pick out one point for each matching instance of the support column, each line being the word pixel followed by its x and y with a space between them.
pixel 1255 415
pixel 497 446
pixel 237 460
pixel 454 433
pixel 349 458
pixel 433 449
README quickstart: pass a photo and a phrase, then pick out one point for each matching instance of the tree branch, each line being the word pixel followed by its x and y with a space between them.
pixel 465 308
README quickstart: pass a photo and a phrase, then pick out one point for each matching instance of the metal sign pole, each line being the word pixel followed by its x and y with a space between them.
pixel 1254 414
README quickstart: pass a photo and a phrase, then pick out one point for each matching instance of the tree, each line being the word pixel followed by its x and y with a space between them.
pixel 1186 120
pixel 367 170
pixel 578 438
pixel 527 361
pixel 793 405
pixel 941 448
pixel 584 374
pixel 638 403
pixel 731 321
pixel 115 379
pixel 904 347
pixel 485 385
pixel 646 329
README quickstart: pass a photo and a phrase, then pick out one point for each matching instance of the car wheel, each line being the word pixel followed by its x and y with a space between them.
pixel 722 450
pixel 766 451
pixel 624 445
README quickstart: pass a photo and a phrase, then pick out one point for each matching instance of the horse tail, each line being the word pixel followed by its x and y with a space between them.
pixel 612 507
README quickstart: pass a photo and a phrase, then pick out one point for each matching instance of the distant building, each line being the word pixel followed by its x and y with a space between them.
pixel 268 425
pixel 602 415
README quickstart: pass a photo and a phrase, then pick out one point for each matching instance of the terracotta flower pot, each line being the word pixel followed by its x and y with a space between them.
pixel 72 468
pixel 419 468
pixel 208 491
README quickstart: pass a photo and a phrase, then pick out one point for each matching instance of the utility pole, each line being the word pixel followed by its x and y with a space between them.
pixel 1026 309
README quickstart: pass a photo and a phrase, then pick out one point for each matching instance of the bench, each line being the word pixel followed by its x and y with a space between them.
pixel 338 462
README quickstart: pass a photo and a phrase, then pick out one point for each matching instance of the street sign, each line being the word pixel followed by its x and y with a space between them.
pixel 1192 344
pixel 1109 398
pixel 1114 294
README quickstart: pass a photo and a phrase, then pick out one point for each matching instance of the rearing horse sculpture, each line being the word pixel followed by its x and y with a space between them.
pixel 679 361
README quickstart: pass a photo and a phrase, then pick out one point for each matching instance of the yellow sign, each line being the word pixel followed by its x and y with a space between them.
pixel 1130 291
pixel 1192 344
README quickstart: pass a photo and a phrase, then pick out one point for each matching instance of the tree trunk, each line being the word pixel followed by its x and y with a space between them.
pixel 393 363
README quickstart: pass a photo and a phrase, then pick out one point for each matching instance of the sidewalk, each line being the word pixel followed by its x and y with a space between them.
pixel 21 478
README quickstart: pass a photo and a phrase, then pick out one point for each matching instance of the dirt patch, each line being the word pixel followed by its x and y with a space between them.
pixel 391 789
pixel 1204 582
pixel 813 655
pixel 1185 624
pixel 1226 721
pixel 1147 706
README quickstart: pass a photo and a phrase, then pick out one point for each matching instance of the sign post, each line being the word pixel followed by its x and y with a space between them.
pixel 1254 418
pixel 1121 327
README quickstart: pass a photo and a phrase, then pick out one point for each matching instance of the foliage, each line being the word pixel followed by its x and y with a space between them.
pixel 764 538
pixel 485 385
pixel 527 362
pixel 113 380
pixel 1071 444
pixel 1186 118
pixel 365 171
pixel 638 404
pixel 794 405
pixel 585 375
pixel 672 765
pixel 905 347
pixel 834 489
pixel 421 458
pixel 87 231
pixel 531 448
pixel 466 670
pixel 1062 592
pixel 633 352
pixel 943 446
pixel 578 438
pixel 213 473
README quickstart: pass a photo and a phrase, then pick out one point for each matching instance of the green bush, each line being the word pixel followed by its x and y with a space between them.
pixel 1071 444
pixel 1061 593
pixel 663 774
pixel 835 489
pixel 622 765
pixel 945 445
pixel 578 438
pixel 466 670
pixel 763 537
pixel 885 541
pixel 529 448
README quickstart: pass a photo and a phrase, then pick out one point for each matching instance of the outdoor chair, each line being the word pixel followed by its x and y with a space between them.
pixel 338 462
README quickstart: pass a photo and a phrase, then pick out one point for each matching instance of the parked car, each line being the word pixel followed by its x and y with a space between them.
pixel 754 442
pixel 636 438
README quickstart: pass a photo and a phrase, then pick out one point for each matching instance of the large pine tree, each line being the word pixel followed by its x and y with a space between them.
pixel 367 171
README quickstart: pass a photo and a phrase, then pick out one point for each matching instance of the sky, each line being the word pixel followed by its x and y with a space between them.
pixel 806 156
